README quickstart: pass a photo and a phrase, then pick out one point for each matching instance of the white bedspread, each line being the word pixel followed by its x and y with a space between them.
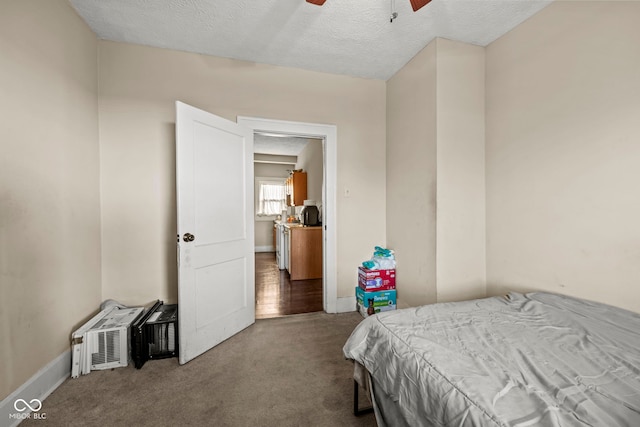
pixel 522 360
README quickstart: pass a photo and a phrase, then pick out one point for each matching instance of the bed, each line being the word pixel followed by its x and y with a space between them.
pixel 536 359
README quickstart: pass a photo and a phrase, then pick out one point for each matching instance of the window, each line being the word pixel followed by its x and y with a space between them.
pixel 271 197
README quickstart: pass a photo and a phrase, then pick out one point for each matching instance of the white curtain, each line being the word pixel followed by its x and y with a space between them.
pixel 271 198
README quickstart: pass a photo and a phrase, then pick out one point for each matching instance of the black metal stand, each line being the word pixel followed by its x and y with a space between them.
pixel 356 410
pixel 152 339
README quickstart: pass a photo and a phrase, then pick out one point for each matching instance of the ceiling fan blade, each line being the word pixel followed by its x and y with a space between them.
pixel 316 2
pixel 417 4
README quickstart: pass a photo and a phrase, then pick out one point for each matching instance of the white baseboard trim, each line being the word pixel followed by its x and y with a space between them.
pixel 346 304
pixel 265 249
pixel 39 386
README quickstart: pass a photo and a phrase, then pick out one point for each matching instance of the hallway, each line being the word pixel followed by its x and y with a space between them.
pixel 277 296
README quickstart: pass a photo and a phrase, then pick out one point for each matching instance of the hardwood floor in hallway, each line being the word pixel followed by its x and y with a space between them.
pixel 277 295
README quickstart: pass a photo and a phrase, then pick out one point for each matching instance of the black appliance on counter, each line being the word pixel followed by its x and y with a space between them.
pixel 310 215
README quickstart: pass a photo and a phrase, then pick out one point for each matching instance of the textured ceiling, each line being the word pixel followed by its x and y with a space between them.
pixel 352 37
pixel 280 145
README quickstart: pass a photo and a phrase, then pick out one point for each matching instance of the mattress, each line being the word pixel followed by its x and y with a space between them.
pixel 535 359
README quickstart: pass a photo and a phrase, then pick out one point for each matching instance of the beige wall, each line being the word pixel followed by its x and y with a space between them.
pixel 49 191
pixel 310 159
pixel 138 88
pixel 563 102
pixel 460 241
pixel 435 174
pixel 411 178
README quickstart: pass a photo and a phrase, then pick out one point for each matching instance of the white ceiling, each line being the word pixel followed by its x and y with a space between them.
pixel 279 145
pixel 352 37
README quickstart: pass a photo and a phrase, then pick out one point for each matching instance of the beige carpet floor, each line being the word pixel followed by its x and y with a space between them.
pixel 278 372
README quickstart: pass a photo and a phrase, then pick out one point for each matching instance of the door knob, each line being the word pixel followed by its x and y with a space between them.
pixel 188 237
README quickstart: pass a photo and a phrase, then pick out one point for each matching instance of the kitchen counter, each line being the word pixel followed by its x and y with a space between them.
pixel 298 225
pixel 292 224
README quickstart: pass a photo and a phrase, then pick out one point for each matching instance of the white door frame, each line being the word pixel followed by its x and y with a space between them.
pixel 328 133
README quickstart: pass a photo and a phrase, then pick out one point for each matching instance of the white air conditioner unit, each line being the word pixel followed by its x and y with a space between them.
pixel 103 342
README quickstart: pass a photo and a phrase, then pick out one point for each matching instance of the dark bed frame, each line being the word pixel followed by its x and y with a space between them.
pixel 356 409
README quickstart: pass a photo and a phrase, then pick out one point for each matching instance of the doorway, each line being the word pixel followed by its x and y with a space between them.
pixel 280 289
pixel 328 135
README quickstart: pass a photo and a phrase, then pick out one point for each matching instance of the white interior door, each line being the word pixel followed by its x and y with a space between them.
pixel 214 173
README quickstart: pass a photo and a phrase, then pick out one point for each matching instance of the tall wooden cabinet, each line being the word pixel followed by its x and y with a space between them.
pixel 296 186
